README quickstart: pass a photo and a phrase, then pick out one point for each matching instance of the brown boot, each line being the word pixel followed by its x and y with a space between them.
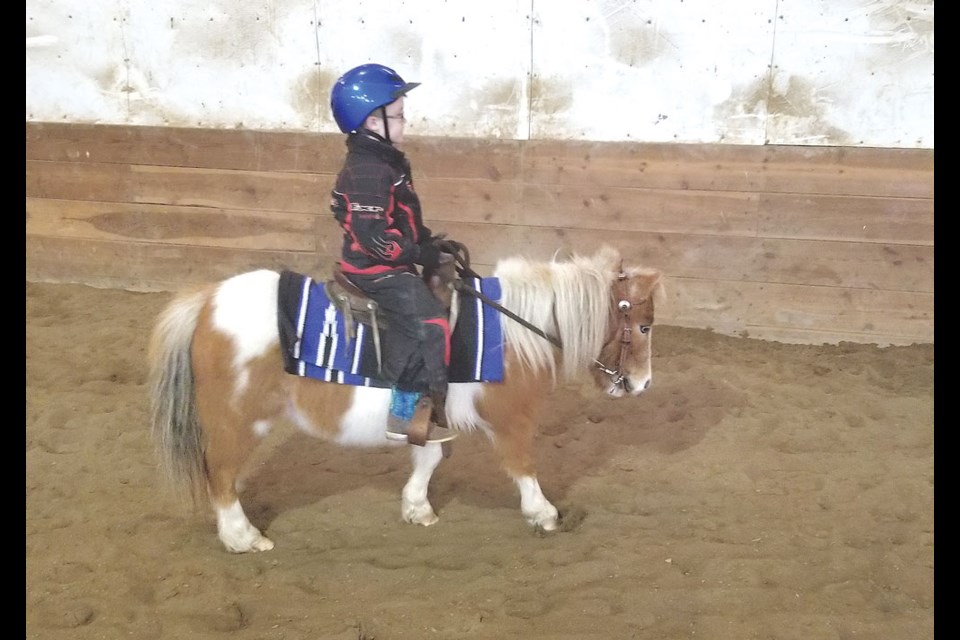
pixel 422 428
pixel 439 414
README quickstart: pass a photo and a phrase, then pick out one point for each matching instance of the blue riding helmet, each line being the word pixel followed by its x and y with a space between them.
pixel 361 90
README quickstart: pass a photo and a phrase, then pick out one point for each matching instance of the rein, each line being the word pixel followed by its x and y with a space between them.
pixel 617 376
pixel 462 286
pixel 462 256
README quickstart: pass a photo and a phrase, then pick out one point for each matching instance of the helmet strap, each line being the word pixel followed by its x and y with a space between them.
pixel 386 125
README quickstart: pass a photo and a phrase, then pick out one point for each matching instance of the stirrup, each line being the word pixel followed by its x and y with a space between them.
pixel 442 435
pixel 420 429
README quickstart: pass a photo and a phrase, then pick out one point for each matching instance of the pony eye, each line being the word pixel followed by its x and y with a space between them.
pixel 624 305
pixel 644 328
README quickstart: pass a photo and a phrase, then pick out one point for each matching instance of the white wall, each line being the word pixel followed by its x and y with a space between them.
pixel 805 72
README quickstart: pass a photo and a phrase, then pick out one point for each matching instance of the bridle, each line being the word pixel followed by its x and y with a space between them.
pixel 617 376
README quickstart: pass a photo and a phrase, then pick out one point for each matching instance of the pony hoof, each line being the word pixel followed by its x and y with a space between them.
pixel 261 543
pixel 546 520
pixel 420 515
pixel 545 527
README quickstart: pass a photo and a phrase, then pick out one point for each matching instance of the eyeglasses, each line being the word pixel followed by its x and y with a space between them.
pixel 399 117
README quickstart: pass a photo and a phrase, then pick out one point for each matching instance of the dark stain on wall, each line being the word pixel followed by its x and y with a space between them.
pixel 797 110
pixel 636 46
pixel 550 96
pixel 244 38
pixel 310 95
pixel 491 107
pixel 404 49
pixel 741 113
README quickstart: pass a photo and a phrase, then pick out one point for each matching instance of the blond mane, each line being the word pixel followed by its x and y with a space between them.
pixel 569 299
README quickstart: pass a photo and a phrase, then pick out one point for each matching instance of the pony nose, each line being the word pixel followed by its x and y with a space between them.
pixel 629 387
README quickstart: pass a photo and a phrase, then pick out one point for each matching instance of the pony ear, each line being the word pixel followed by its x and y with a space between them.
pixel 648 283
pixel 606 254
pixel 653 279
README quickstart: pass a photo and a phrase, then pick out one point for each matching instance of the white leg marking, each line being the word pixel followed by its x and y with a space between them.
pixel 415 507
pixel 534 505
pixel 236 532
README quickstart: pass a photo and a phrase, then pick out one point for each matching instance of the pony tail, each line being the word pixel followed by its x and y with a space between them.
pixel 175 425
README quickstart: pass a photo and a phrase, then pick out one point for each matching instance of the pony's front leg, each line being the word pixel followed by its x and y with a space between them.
pixel 512 415
pixel 534 506
pixel 415 506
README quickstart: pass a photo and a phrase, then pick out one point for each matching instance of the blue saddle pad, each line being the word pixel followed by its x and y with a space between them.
pixel 315 340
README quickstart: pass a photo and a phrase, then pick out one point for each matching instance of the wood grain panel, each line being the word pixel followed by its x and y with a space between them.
pixel 877 267
pixel 893 220
pixel 817 170
pixel 829 314
pixel 198 226
pixel 247 150
pixel 609 209
pixel 717 167
pixel 465 158
pixel 857 219
pixel 835 264
pixel 654 210
pixel 185 147
pixel 152 267
pixel 227 189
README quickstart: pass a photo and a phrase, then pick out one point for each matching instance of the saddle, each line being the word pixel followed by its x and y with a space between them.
pixel 357 307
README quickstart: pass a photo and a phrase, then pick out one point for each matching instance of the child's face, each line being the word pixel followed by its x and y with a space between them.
pixel 395 120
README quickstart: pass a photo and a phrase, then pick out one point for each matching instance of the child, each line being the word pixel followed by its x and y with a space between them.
pixel 384 238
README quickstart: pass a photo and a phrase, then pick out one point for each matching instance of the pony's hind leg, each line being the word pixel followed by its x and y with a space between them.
pixel 236 416
pixel 225 456
pixel 415 506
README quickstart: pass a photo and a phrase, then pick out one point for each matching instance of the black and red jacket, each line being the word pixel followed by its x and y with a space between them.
pixel 377 208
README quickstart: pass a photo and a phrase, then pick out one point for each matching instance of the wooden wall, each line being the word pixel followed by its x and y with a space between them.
pixel 795 244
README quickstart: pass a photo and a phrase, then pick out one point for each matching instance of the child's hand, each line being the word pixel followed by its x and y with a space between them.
pixel 429 256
